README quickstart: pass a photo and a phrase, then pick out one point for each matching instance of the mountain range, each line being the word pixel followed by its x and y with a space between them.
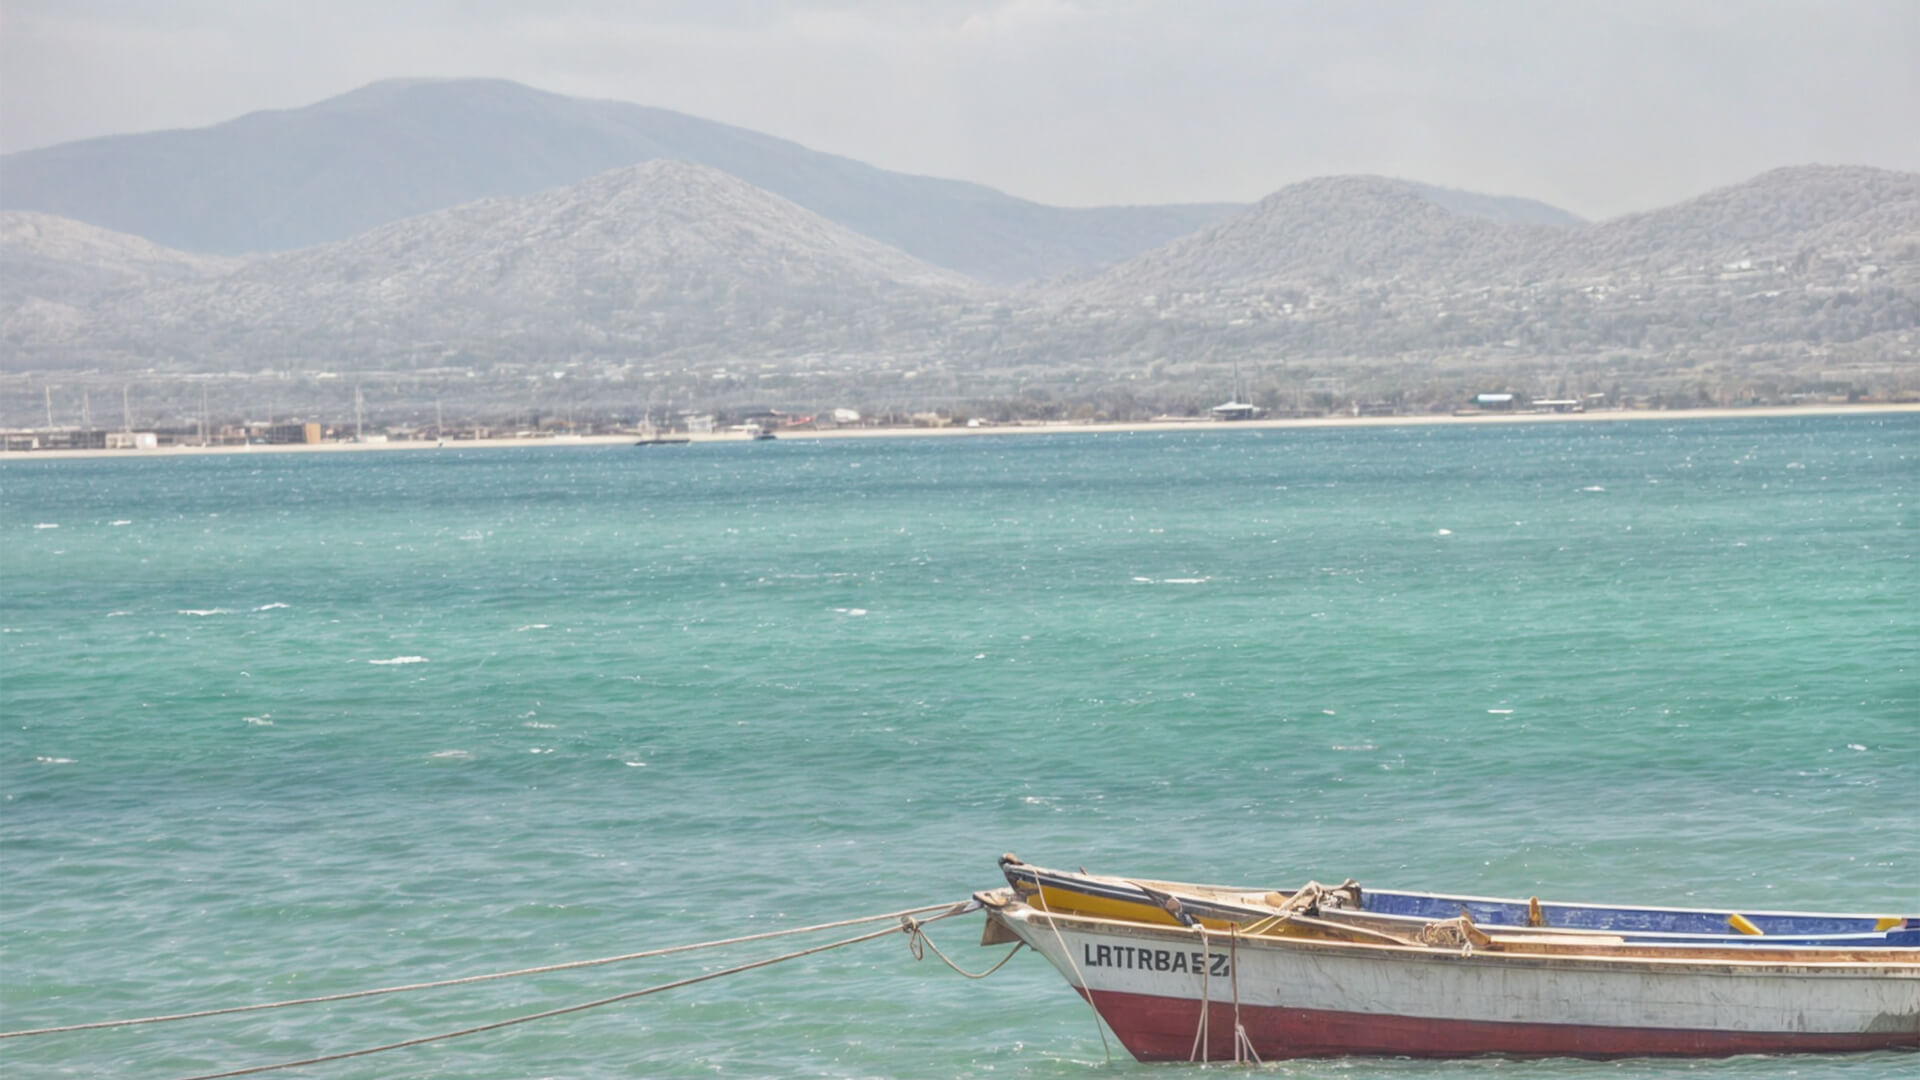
pixel 689 268
pixel 283 179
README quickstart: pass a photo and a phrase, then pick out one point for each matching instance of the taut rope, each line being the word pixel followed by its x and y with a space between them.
pixel 629 995
pixel 906 922
pixel 544 969
pixel 1200 1033
pixel 1099 1025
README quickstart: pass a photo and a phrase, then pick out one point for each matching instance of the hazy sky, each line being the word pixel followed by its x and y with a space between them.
pixel 1600 106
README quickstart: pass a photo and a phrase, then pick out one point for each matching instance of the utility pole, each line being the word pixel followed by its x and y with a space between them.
pixel 203 416
pixel 359 410
pixel 49 391
pixel 126 409
pixel 86 409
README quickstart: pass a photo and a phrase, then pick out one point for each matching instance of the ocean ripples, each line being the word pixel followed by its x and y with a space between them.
pixel 727 691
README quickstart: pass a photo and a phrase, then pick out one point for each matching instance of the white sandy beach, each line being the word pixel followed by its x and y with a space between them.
pixel 1067 427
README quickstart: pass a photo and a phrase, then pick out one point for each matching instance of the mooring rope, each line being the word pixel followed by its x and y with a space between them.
pixel 510 1021
pixel 1242 1045
pixel 917 937
pixel 1099 1025
pixel 955 908
pixel 1200 1032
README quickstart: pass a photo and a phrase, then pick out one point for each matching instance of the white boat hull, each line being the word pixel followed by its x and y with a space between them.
pixel 1307 998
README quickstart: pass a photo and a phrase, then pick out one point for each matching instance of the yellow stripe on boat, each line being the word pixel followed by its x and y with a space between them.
pixel 1075 902
pixel 1741 923
pixel 1066 900
pixel 1890 922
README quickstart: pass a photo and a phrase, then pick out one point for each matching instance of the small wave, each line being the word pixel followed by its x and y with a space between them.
pixel 259 721
pixel 450 755
pixel 203 612
pixel 118 614
pixel 1355 746
pixel 1593 487
pixel 1443 532
pixel 46 525
pixel 122 521
pixel 634 764
pixel 54 760
pixel 400 660
pixel 270 607
pixel 537 724
pixel 851 610
pixel 1499 712
pixel 534 626
pixel 1185 580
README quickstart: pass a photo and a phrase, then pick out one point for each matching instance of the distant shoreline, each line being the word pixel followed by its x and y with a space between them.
pixel 1049 428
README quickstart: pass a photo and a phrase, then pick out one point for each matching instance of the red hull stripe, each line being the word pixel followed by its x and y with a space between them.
pixel 1162 1029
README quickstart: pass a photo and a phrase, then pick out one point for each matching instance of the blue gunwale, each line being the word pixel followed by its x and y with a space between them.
pixel 1651 923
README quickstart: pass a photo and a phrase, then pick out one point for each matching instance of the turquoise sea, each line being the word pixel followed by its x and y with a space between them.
pixel 278 725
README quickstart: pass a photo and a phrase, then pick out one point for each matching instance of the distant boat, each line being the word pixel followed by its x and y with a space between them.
pixel 757 433
pixel 664 440
pixel 1236 410
pixel 1233 408
pixel 1194 972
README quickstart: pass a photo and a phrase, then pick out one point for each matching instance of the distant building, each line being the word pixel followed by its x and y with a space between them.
pixel 1493 401
pixel 1561 405
pixel 290 434
pixel 132 440
pixel 767 418
pixel 73 439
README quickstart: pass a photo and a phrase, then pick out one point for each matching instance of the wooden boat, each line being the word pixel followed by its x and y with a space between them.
pixel 1403 912
pixel 1178 986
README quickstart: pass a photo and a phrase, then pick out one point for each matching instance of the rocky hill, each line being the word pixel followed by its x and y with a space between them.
pixel 1781 214
pixel 1804 276
pixel 660 259
pixel 52 271
pixel 1508 208
pixel 1349 273
pixel 284 179
pixel 1342 230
